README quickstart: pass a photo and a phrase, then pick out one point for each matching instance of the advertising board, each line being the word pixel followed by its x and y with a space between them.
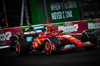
pixel 6 33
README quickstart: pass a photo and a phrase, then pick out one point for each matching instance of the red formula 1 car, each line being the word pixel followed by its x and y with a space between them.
pixel 44 39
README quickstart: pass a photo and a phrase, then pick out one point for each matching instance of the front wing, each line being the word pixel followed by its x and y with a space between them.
pixel 72 46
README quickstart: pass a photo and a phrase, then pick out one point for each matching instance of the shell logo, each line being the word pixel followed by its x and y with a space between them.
pixel 36 44
pixel 72 38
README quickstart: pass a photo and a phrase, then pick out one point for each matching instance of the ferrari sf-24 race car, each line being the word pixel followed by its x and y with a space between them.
pixel 44 39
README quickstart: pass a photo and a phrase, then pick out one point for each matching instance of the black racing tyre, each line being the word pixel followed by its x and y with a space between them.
pixel 90 36
pixel 12 42
pixel 47 44
pixel 22 47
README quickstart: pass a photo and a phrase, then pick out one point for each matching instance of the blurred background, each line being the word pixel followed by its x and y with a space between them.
pixel 26 12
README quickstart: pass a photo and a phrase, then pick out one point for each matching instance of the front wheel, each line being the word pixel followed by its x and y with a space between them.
pixel 48 47
pixel 89 36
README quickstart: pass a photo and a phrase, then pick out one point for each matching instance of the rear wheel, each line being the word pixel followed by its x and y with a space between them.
pixel 48 44
pixel 12 42
pixel 21 47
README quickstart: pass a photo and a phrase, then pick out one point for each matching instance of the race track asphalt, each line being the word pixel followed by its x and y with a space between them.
pixel 76 57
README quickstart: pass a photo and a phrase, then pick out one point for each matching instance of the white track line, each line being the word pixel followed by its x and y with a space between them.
pixel 3 47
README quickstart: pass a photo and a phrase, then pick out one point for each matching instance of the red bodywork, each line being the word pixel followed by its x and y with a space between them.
pixel 38 42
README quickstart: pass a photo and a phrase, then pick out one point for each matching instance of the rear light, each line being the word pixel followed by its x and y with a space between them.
pixel 22 36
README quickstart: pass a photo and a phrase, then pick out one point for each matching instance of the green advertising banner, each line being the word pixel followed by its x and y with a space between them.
pixel 34 14
pixel 60 10
pixel 53 11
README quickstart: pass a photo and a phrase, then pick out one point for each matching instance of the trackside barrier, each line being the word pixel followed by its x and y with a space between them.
pixel 94 25
pixel 67 27
pixel 6 33
pixel 74 26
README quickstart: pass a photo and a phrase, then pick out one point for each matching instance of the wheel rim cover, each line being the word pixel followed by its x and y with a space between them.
pixel 47 46
pixel 17 48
